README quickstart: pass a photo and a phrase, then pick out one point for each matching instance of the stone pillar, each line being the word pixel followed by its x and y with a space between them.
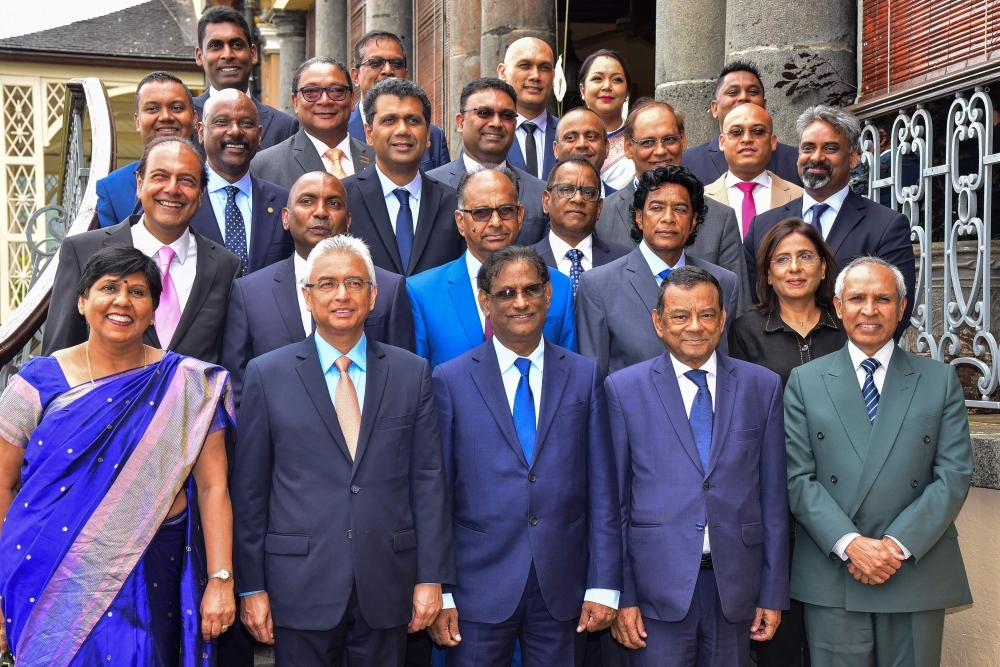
pixel 291 30
pixel 464 30
pixel 690 50
pixel 331 33
pixel 269 54
pixel 825 31
pixel 396 16
pixel 505 21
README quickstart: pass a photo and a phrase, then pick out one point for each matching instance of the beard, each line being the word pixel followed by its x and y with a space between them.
pixel 816 181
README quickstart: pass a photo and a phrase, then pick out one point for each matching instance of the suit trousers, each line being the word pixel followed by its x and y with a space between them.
pixel 703 638
pixel 235 647
pixel 841 638
pixel 351 642
pixel 545 642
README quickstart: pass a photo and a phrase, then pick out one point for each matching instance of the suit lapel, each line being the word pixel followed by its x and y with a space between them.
pixel 205 222
pixel 625 195
pixel 376 375
pixel 356 126
pixel 554 380
pixel 262 224
pixel 362 155
pixel 642 279
pixel 287 299
pixel 851 213
pixel 311 374
pixel 665 382
pixel 305 153
pixel 430 200
pixel 600 251
pixel 544 249
pixel 462 298
pixel 718 159
pixel 549 160
pixel 265 115
pixel 374 202
pixel 845 394
pixel 726 386
pixel 204 277
pixel 486 375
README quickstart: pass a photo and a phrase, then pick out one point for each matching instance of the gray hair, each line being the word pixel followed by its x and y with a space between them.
pixel 344 243
pixel 870 260
pixel 463 183
pixel 842 121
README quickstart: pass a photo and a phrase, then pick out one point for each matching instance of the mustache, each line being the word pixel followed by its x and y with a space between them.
pixel 814 181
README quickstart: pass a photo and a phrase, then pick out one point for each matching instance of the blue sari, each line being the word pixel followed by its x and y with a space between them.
pixel 93 571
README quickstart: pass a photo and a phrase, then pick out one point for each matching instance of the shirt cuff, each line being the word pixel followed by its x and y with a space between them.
pixel 447 601
pixel 906 552
pixel 243 595
pixel 840 548
pixel 605 596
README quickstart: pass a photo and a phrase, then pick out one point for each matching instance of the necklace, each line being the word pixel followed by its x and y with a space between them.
pixel 91 370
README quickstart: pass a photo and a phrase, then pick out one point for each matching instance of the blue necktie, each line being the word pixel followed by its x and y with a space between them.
pixel 701 416
pixel 576 270
pixel 236 231
pixel 870 391
pixel 818 211
pixel 404 226
pixel 662 275
pixel 524 410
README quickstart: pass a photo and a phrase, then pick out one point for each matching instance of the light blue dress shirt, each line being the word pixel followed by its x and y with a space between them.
pixel 357 371
pixel 834 201
pixel 657 265
pixel 392 203
pixel 244 201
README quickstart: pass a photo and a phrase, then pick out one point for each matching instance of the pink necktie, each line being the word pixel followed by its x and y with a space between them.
pixel 168 314
pixel 348 409
pixel 749 206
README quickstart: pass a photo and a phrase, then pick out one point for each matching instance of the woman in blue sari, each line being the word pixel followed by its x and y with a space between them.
pixel 116 546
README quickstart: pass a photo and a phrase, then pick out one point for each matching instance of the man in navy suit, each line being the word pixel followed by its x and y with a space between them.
pixel 228 55
pixel 738 83
pixel 852 225
pixel 344 535
pixel 406 218
pixel 239 210
pixel 447 320
pixel 485 120
pixel 163 107
pixel 581 132
pixel 379 55
pixel 700 451
pixel 530 473
pixel 267 308
pixel 529 67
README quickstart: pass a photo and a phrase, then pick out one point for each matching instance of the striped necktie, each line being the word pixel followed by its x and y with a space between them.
pixel 869 391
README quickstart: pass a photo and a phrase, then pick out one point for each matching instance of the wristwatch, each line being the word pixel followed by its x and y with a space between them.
pixel 222 575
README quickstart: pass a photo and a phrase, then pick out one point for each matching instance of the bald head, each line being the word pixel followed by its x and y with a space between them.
pixel 581 133
pixel 317 209
pixel 529 66
pixel 230 131
pixel 747 140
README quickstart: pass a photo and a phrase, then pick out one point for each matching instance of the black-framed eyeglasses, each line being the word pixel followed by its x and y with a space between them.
pixel 330 285
pixel 396 64
pixel 668 141
pixel 756 133
pixel 569 190
pixel 533 291
pixel 486 113
pixel 336 92
pixel 485 213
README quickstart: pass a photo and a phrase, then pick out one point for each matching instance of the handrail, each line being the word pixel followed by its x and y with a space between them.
pixel 78 202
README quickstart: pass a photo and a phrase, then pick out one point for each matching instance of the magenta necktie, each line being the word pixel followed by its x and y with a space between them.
pixel 749 206
pixel 168 314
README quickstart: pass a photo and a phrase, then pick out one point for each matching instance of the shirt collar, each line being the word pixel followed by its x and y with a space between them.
pixel 507 357
pixel 834 201
pixel 212 92
pixel 763 178
pixel 884 355
pixel 472 165
pixel 541 121
pixel 216 182
pixel 413 187
pixel 472 264
pixel 300 265
pixel 560 247
pixel 149 245
pixel 657 265
pixel 361 112
pixel 328 354
pixel 319 144
pixel 681 368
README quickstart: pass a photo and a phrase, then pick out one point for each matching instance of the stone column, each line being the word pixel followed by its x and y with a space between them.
pixel 690 50
pixel 464 30
pixel 505 21
pixel 291 30
pixel 396 16
pixel 806 40
pixel 331 31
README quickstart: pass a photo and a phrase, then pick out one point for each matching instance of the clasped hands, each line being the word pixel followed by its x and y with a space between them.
pixel 593 618
pixel 872 561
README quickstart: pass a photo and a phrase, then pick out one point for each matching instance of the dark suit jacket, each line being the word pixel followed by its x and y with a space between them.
pixel 435 156
pixel 576 543
pixel 312 525
pixel 863 227
pixel 604 252
pixel 614 305
pixel 516 158
pixel 264 315
pixel 529 192
pixel 116 198
pixel 199 332
pixel 277 125
pixel 285 163
pixel 436 241
pixel 708 163
pixel 666 494
pixel 270 242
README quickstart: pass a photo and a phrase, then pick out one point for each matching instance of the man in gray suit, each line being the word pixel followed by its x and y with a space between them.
pixel 486 118
pixel 322 94
pixel 614 302
pixel 654 137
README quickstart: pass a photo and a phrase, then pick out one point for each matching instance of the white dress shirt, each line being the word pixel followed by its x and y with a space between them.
pixel 473 264
pixel 560 248
pixel 183 266
pixel 472 165
pixel 688 392
pixel 761 194
pixel 835 201
pixel 884 355
pixel 244 201
pixel 511 377
pixel 657 265
pixel 392 204
pixel 520 133
pixel 212 92
pixel 301 278
pixel 346 161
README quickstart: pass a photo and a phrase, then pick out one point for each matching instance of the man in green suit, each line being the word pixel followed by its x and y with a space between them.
pixel 879 463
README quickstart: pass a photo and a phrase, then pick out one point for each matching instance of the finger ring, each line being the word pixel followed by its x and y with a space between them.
pixel 224 627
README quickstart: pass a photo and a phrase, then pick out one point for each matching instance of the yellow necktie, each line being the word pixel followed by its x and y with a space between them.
pixel 334 155
pixel 348 410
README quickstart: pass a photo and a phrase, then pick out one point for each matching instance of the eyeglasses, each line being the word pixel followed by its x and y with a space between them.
pixel 486 113
pixel 331 285
pixel 736 133
pixel 396 64
pixel 485 213
pixel 803 258
pixel 533 291
pixel 336 92
pixel 568 191
pixel 668 141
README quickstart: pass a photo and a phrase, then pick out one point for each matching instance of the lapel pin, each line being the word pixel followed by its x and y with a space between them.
pixel 270 210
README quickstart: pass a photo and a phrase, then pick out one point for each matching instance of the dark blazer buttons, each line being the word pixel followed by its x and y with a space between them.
pixel 914 484
pixel 927 438
pixel 833 478
pixel 531 477
pixel 533 521
pixel 820 435
pixel 706 486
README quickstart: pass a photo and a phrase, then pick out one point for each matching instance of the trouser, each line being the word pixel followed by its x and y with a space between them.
pixel 841 638
pixel 787 647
